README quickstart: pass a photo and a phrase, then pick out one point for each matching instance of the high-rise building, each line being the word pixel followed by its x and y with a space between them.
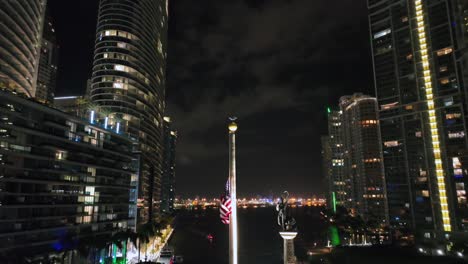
pixel 129 82
pixel 363 157
pixel 420 71
pixel 61 178
pixel 169 165
pixel 48 61
pixel 21 30
pixel 339 187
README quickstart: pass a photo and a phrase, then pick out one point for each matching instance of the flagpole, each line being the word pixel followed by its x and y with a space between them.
pixel 232 177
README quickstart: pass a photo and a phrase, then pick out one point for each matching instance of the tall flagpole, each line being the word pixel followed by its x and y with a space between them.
pixel 232 177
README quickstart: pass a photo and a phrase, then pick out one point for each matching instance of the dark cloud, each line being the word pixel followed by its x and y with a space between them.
pixel 275 65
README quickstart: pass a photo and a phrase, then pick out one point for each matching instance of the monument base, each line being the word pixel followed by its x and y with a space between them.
pixel 288 247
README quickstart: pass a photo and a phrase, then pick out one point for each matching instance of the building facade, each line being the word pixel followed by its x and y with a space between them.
pixel 48 62
pixel 169 166
pixel 339 187
pixel 419 59
pixel 129 82
pixel 62 180
pixel 363 157
pixel 20 42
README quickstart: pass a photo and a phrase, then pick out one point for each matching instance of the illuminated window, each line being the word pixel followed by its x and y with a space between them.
pixel 425 193
pixel 119 67
pixel 389 144
pixel 452 115
pixel 388 106
pixel 382 33
pixel 443 68
pixel 444 81
pixel 444 51
pixel 119 85
pixel 110 33
pixel 60 155
pixel 457 134
pixel 456 162
pixel 122 45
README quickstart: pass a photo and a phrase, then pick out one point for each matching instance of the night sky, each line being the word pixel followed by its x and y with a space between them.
pixel 275 64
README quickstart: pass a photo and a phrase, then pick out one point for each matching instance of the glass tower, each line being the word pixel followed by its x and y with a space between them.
pixel 20 41
pixel 420 75
pixel 128 84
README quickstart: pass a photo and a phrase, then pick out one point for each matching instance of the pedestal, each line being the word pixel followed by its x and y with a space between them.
pixel 288 247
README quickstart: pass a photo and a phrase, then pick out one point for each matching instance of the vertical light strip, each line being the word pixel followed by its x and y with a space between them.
pixel 432 115
pixel 334 202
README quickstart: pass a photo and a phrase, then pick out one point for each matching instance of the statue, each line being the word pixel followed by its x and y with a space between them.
pixel 285 220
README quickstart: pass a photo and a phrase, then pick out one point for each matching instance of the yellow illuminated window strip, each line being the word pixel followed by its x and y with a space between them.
pixel 432 117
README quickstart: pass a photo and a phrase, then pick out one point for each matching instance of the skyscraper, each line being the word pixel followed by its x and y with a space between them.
pixel 169 165
pixel 129 82
pixel 339 187
pixel 48 61
pixel 20 42
pixel 420 73
pixel 363 157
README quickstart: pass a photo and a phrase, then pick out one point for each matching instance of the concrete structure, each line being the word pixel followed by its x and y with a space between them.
pixel 420 68
pixel 62 179
pixel 129 82
pixel 289 256
pixel 21 31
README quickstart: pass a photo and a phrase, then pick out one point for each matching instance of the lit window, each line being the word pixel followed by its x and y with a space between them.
pixel 456 162
pixel 122 45
pixel 382 33
pixel 404 19
pixel 393 143
pixel 60 154
pixel 118 67
pixel 444 80
pixel 448 101
pixel 444 51
pixel 118 85
pixel 443 68
pixel 110 33
pixel 452 115
pixel 458 134
pixel 388 106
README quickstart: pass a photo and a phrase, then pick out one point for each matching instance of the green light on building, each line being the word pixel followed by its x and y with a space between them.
pixel 328 110
pixel 334 202
pixel 334 236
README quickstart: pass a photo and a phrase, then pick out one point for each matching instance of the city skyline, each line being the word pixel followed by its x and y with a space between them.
pixel 298 99
pixel 174 131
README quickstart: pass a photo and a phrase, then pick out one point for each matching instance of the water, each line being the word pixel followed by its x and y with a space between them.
pixel 259 241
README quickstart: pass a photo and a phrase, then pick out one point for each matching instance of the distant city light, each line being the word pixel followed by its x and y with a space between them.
pixel 91 117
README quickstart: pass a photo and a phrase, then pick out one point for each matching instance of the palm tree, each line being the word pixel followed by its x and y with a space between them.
pixel 81 103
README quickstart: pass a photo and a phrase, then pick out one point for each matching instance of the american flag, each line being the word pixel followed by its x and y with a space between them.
pixel 225 205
